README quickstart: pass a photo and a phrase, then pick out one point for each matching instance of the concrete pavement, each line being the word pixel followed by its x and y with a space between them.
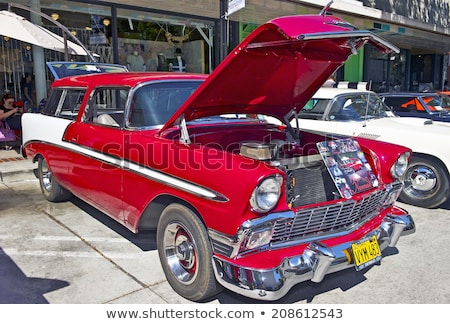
pixel 70 253
pixel 14 167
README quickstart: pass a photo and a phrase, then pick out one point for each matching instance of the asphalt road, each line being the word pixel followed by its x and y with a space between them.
pixel 69 253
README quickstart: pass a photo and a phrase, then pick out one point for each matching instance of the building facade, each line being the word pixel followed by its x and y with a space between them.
pixel 150 35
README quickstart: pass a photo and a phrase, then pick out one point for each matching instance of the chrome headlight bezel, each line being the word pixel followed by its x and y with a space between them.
pixel 400 166
pixel 266 194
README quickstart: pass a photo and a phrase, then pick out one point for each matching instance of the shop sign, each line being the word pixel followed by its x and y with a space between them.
pixel 235 5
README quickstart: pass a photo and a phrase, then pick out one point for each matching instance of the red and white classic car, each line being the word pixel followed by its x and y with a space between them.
pixel 236 202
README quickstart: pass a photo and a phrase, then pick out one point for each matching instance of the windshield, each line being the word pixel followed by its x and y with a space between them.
pixel 438 103
pixel 347 107
pixel 234 118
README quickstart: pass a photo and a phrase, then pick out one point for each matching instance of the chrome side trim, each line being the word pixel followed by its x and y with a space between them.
pixel 141 170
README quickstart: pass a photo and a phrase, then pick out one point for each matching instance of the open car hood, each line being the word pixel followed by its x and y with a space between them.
pixel 278 67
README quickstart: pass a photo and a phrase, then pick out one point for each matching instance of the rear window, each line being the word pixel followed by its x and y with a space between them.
pixel 52 102
pixel 314 109
pixel 64 103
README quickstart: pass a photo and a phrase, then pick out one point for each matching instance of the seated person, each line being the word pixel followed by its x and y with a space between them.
pixel 9 113
pixel 344 111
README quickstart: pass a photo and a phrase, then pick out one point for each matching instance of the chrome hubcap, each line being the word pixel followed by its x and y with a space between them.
pixel 46 175
pixel 184 251
pixel 179 248
pixel 422 179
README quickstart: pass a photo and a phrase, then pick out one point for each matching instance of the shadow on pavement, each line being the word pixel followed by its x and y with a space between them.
pixel 305 291
pixel 145 240
pixel 445 205
pixel 17 288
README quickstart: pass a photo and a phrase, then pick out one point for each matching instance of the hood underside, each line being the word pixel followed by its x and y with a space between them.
pixel 277 68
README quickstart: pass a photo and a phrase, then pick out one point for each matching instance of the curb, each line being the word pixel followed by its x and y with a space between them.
pixel 14 167
pixel 19 175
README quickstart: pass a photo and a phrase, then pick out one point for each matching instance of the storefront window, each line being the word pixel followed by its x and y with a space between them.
pixel 147 40
pixel 425 72
pixel 155 42
pixel 397 69
pixel 387 72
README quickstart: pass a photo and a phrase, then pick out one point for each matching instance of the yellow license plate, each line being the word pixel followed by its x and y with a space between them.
pixel 366 253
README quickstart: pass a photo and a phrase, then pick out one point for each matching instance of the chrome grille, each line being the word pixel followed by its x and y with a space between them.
pixel 310 185
pixel 327 219
pixel 222 248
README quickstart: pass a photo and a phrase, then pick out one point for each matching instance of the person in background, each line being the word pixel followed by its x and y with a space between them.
pixel 383 87
pixel 27 92
pixel 178 64
pixel 151 62
pixel 135 62
pixel 330 83
pixel 9 113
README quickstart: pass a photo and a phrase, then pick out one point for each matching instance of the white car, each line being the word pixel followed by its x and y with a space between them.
pixel 361 113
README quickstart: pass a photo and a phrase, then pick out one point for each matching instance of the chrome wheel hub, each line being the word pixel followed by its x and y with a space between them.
pixel 46 176
pixel 184 251
pixel 179 248
pixel 423 178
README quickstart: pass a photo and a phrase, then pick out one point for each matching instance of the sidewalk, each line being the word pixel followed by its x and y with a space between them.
pixel 14 167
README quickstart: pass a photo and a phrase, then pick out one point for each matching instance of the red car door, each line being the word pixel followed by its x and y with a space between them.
pixel 95 168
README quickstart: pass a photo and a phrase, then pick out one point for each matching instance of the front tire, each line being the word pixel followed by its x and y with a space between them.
pixel 50 188
pixel 426 183
pixel 185 253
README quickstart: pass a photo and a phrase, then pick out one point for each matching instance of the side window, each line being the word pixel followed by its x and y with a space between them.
pixel 52 103
pixel 107 106
pixel 401 104
pixel 418 106
pixel 407 104
pixel 71 103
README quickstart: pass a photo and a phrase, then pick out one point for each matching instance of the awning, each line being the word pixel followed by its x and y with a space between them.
pixel 17 27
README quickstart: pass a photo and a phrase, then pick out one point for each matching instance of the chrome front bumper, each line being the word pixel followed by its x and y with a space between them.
pixel 316 261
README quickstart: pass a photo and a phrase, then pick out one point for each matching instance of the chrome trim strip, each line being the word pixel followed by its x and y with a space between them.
pixel 175 182
pixel 354 33
pixel 143 170
pixel 320 36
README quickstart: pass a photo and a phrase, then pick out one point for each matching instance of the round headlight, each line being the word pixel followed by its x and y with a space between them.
pixel 400 166
pixel 266 194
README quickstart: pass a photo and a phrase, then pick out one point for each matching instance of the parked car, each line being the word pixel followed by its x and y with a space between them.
pixel 236 202
pixel 362 113
pixel 430 105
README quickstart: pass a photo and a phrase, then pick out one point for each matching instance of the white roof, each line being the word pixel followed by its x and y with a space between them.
pixel 330 93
